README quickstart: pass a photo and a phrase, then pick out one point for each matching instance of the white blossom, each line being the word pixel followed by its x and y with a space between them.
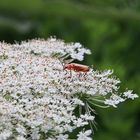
pixel 114 100
pixel 38 97
pixel 128 94
pixel 20 137
pixel 62 137
pixel 20 129
pixel 5 134
pixel 84 135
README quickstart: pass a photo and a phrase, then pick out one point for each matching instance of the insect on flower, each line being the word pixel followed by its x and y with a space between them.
pixel 67 65
pixel 77 68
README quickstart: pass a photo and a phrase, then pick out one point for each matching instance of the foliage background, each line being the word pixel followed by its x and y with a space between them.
pixel 110 28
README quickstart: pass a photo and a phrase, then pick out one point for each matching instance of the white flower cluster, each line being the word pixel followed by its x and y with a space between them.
pixel 39 99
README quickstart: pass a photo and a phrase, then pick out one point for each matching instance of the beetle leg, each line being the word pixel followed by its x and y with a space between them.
pixel 79 74
pixel 70 74
pixel 66 72
pixel 85 75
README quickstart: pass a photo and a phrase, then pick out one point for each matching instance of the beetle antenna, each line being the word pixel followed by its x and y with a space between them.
pixel 68 61
pixel 63 59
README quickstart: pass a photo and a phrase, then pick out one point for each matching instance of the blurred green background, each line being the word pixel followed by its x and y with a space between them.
pixel 110 28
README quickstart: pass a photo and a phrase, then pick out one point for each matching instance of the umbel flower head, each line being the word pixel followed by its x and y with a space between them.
pixel 40 100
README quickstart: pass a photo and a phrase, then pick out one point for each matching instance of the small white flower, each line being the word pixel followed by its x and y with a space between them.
pixel 21 130
pixel 114 100
pixel 84 135
pixel 87 117
pixel 5 134
pixel 78 102
pixel 62 137
pixel 128 94
pixel 20 138
pixel 35 134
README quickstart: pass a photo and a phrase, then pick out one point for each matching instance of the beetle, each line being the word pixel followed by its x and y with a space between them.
pixel 67 65
pixel 76 67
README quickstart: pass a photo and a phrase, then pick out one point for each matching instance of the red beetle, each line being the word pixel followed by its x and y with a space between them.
pixel 76 67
